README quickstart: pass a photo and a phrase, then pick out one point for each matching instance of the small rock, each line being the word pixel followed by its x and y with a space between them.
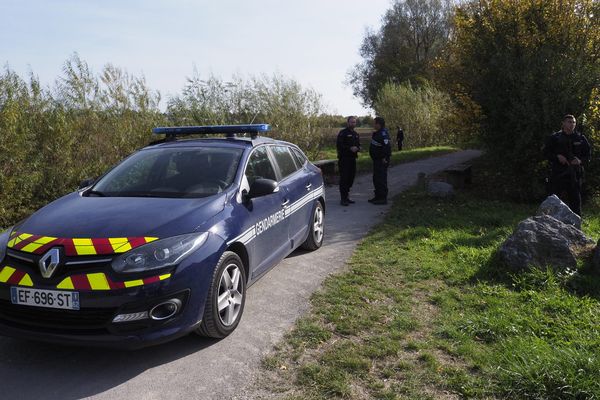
pixel 544 241
pixel 422 181
pixel 440 189
pixel 554 207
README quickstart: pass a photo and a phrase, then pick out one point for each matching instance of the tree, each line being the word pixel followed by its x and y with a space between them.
pixel 412 35
pixel 365 121
pixel 526 64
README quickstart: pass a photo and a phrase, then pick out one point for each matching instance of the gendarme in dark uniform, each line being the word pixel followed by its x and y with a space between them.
pixel 348 146
pixel 568 153
pixel 400 138
pixel 380 151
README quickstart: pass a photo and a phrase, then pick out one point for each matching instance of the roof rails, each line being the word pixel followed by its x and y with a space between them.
pixel 229 130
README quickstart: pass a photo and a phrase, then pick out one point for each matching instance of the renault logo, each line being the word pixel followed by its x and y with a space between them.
pixel 49 262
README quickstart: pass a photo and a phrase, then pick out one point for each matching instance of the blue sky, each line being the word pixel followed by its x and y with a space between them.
pixel 315 42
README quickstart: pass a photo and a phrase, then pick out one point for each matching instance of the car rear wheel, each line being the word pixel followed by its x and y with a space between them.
pixel 226 298
pixel 317 229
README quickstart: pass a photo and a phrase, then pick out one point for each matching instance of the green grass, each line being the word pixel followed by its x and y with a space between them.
pixel 364 163
pixel 426 308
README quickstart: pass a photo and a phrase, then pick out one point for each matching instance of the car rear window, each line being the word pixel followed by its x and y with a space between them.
pixel 299 157
pixel 284 160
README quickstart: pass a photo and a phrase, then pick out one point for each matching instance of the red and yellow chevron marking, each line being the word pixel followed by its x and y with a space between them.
pixel 94 281
pixel 99 281
pixel 36 244
pixel 12 276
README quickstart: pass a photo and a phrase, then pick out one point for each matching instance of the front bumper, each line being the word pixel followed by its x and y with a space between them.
pixel 92 324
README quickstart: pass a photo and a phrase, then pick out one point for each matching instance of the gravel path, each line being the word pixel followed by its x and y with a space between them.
pixel 196 368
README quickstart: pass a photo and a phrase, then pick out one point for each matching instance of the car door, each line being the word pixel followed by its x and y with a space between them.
pixel 266 217
pixel 295 184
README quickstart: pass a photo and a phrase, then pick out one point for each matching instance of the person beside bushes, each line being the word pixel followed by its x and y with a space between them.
pixel 568 152
pixel 380 151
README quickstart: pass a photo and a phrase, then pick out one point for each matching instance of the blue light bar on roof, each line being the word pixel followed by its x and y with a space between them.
pixel 212 129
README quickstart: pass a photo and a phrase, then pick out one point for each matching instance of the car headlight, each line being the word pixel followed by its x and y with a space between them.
pixel 4 242
pixel 159 254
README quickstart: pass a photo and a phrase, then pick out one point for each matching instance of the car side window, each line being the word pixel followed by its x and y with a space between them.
pixel 259 166
pixel 299 157
pixel 284 160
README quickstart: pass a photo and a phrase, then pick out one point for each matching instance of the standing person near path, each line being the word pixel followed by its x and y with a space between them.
pixel 400 138
pixel 568 152
pixel 348 146
pixel 380 151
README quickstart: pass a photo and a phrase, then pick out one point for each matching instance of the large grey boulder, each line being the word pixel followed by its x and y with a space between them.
pixel 440 189
pixel 544 241
pixel 554 207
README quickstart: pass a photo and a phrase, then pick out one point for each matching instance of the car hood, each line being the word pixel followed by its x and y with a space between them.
pixel 74 216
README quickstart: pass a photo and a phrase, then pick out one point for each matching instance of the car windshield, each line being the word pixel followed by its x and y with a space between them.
pixel 171 172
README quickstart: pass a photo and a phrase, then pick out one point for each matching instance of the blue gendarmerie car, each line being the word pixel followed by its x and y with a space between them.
pixel 164 244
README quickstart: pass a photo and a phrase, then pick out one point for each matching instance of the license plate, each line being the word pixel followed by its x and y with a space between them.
pixel 44 298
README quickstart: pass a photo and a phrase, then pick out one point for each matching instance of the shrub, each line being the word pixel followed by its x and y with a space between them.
pixel 295 113
pixel 422 112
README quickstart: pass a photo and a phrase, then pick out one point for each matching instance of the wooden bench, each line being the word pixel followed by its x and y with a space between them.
pixel 459 175
pixel 328 168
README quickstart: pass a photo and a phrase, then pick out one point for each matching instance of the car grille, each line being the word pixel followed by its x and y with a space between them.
pixel 89 320
pixel 29 263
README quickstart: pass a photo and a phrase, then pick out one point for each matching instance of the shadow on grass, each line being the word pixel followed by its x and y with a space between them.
pixel 493 271
pixel 586 282
pixel 482 241
pixel 582 282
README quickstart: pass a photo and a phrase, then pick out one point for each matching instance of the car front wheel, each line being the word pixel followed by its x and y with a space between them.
pixel 316 229
pixel 226 298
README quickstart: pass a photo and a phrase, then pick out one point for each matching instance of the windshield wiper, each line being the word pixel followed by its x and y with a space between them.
pixel 142 195
pixel 95 192
pixel 151 194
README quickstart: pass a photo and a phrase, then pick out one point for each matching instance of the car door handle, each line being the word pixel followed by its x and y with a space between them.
pixel 285 203
pixel 308 186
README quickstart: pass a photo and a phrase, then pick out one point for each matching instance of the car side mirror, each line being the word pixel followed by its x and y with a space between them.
pixel 86 182
pixel 262 187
